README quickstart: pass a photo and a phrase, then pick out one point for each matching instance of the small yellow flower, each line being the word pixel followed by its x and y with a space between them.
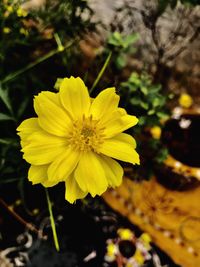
pixel 185 100
pixel 21 12
pixel 23 31
pixel 146 239
pixel 9 8
pixel 125 234
pixel 74 139
pixel 139 257
pixel 111 249
pixel 6 30
pixel 156 132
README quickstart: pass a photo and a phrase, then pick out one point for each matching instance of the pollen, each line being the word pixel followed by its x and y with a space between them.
pixel 86 134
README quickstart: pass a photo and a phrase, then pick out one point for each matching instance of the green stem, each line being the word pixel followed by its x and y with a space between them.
pixel 101 71
pixel 53 226
pixel 33 64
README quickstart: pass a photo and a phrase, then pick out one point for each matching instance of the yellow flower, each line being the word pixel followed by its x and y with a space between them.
pixel 21 12
pixel 185 100
pixel 146 239
pixel 9 8
pixel 139 257
pixel 125 234
pixel 6 30
pixel 111 249
pixel 155 132
pixel 23 31
pixel 74 139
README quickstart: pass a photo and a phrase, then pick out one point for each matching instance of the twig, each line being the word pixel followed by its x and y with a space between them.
pixel 28 225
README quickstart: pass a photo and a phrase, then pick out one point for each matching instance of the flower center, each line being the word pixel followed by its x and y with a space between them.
pixel 86 134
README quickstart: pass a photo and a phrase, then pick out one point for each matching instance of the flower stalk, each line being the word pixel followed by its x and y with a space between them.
pixel 53 226
pixel 101 71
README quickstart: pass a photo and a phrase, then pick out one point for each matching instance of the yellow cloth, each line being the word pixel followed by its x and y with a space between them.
pixel 171 218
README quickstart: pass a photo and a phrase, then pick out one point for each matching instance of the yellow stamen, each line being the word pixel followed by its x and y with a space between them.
pixel 86 134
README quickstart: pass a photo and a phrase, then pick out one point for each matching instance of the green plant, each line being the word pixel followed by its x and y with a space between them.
pixel 145 99
pixel 121 46
pixel 148 102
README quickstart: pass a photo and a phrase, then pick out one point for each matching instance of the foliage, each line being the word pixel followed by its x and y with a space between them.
pixel 146 100
pixel 121 46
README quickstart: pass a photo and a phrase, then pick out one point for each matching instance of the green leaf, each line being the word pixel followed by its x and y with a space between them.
pixel 5 98
pixel 134 78
pixel 5 117
pixel 142 120
pixel 155 88
pixel 133 89
pixel 144 105
pixel 162 115
pixel 130 39
pixel 151 112
pixel 156 102
pixel 135 101
pixel 115 39
pixel 144 90
pixel 121 61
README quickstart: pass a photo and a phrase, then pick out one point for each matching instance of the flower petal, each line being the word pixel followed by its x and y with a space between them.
pixel 113 170
pixel 43 148
pixel 74 97
pixel 121 147
pixel 73 191
pixel 119 124
pixel 48 183
pixel 26 128
pixel 64 165
pixel 51 117
pixel 90 174
pixel 37 174
pixel 104 104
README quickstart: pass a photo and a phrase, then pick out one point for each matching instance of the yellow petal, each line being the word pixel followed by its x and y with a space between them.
pixel 51 117
pixel 104 104
pixel 113 170
pixel 73 191
pixel 26 128
pixel 28 125
pixel 121 147
pixel 90 174
pixel 37 174
pixel 43 148
pixel 119 124
pixel 64 165
pixel 48 183
pixel 74 97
